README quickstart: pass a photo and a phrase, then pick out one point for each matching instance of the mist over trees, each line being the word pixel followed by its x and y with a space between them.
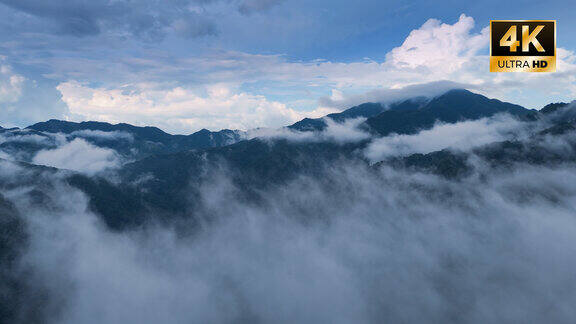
pixel 464 214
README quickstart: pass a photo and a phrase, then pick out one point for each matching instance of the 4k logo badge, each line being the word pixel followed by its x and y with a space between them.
pixel 522 45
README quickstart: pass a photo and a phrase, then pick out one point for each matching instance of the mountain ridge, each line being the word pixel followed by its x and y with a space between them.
pixel 451 107
pixel 160 182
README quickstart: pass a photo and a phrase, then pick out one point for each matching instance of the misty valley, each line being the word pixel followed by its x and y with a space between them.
pixel 452 208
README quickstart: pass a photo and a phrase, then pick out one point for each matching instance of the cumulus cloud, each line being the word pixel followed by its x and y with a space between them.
pixel 446 53
pixel 24 101
pixel 79 155
pixel 440 46
pixel 455 54
pixel 437 53
pixel 11 85
pixel 178 109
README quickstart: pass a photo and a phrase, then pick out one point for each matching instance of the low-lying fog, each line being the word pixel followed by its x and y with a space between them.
pixel 357 245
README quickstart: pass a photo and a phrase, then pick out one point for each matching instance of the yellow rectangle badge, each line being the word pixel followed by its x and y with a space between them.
pixel 522 45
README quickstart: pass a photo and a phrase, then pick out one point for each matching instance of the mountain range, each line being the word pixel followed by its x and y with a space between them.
pixel 404 117
pixel 160 170
pixel 135 177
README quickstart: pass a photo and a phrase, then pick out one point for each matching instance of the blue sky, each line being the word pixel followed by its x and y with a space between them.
pixel 188 64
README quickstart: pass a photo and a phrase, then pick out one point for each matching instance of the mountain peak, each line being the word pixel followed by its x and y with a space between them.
pixel 451 107
pixel 460 91
pixel 67 127
pixel 552 107
pixel 203 131
pixel 461 94
pixel 465 102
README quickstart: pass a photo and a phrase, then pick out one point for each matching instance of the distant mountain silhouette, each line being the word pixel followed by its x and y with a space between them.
pixel 148 133
pixel 147 140
pixel 553 107
pixel 451 107
pixel 412 115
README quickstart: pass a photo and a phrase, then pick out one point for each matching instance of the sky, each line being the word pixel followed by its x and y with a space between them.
pixel 184 65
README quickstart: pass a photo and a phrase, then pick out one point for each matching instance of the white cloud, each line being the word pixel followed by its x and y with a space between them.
pixel 178 109
pixel 434 52
pixel 5 156
pixel 24 137
pixel 463 136
pixel 345 132
pixel 14 138
pixel 455 54
pixel 24 101
pixel 79 155
pixel 11 85
pixel 353 246
pixel 392 95
pixel 97 134
pixel 440 46
pixel 183 91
